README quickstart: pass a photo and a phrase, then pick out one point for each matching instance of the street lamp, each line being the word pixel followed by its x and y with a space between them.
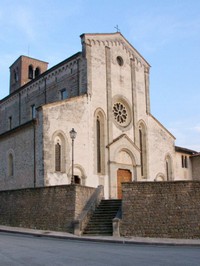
pixel 72 136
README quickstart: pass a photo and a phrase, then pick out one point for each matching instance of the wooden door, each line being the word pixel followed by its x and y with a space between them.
pixel 122 176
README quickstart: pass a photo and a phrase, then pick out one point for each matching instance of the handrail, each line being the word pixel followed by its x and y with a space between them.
pixel 83 218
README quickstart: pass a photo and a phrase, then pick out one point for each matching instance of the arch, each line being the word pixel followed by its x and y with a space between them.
pixel 99 129
pixel 79 172
pixel 125 156
pixel 160 177
pixel 30 72
pixel 37 71
pixel 59 152
pixel 143 148
pixel 168 167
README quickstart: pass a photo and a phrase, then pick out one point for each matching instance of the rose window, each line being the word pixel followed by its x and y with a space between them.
pixel 120 113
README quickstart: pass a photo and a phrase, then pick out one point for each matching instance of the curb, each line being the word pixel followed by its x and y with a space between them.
pixel 96 239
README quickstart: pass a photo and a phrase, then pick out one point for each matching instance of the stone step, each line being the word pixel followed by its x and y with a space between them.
pixel 101 220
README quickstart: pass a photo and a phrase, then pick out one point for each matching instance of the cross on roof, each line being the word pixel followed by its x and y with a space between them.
pixel 117 28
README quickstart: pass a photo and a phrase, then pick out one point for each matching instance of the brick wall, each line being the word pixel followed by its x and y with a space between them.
pixel 161 209
pixel 49 208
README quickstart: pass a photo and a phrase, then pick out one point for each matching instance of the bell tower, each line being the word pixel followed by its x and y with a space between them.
pixel 25 69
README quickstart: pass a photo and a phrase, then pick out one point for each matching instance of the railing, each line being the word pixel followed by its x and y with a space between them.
pixel 83 219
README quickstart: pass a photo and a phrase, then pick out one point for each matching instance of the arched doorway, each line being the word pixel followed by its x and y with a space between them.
pixel 123 175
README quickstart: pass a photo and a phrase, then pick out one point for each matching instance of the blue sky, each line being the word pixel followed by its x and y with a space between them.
pixel 166 33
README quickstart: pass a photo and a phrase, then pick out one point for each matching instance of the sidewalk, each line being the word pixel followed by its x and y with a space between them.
pixel 108 239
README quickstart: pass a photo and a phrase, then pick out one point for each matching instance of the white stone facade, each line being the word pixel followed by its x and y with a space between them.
pixel 103 93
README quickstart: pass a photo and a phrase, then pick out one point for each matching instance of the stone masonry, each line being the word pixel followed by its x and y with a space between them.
pixel 161 209
pixel 50 208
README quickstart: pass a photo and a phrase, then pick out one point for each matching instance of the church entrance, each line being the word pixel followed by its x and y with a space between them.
pixel 123 175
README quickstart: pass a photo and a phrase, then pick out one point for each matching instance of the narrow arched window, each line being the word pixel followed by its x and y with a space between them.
pixel 57 157
pixel 10 165
pixel 141 152
pixel 98 138
pixel 167 170
pixel 186 164
pixel 30 72
pixel 99 147
pixel 37 72
pixel 143 149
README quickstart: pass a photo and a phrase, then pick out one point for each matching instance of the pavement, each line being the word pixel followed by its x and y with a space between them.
pixel 108 239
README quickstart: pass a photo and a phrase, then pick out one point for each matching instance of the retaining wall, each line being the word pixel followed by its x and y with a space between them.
pixel 48 208
pixel 161 209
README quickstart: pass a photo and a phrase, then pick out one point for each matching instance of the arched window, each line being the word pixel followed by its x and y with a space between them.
pixel 98 131
pixel 100 142
pixel 143 150
pixel 15 75
pixel 59 153
pixel 57 157
pixel 30 72
pixel 37 72
pixel 10 165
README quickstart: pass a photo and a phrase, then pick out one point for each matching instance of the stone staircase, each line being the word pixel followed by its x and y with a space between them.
pixel 101 220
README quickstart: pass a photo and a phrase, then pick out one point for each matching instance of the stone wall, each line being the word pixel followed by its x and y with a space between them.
pixel 161 209
pixel 19 143
pixel 49 208
pixel 196 167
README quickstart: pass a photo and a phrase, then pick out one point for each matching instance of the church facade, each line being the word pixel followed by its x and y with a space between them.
pixel 103 93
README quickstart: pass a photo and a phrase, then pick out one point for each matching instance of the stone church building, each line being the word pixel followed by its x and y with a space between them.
pixel 103 93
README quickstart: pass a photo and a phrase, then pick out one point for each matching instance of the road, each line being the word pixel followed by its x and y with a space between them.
pixel 16 249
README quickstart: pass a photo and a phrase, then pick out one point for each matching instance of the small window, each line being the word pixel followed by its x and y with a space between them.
pixel 120 61
pixel 37 72
pixel 16 77
pixel 184 161
pixel 10 165
pixel 186 164
pixel 10 122
pixel 33 111
pixel 63 94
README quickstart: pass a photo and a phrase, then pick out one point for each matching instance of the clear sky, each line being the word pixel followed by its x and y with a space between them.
pixel 165 32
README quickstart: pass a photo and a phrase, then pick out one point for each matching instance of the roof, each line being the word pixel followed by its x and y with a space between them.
pixel 185 150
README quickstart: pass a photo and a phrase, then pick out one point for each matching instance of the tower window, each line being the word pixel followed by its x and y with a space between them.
pixel 37 72
pixel 30 72
pixel 15 75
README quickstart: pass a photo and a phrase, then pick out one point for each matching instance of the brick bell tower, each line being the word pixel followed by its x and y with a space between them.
pixel 25 69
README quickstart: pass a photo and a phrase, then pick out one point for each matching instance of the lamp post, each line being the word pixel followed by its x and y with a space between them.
pixel 72 136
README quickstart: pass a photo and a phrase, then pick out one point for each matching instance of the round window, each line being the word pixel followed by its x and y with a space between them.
pixel 121 114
